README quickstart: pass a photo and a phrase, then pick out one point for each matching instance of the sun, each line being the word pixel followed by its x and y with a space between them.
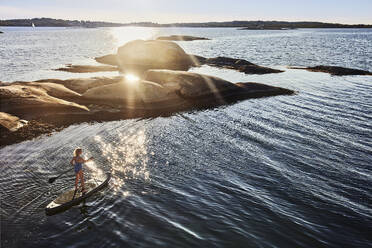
pixel 131 78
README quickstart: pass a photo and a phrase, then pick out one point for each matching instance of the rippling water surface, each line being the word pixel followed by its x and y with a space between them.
pixel 285 171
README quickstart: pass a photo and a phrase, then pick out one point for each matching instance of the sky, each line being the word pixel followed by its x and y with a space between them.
pixel 170 11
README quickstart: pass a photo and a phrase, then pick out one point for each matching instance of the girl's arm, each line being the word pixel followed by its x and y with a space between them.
pixel 72 160
pixel 88 160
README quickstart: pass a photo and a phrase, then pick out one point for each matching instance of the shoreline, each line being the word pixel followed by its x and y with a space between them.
pixel 45 125
pixel 51 22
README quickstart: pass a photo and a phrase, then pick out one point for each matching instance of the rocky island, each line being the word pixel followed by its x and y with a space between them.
pixel 127 59
pixel 86 68
pixel 163 87
pixel 181 38
pixel 265 27
pixel 241 65
pixel 335 70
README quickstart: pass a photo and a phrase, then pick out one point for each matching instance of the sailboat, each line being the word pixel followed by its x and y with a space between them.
pixel 33 25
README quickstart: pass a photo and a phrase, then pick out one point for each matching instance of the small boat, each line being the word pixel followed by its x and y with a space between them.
pixel 66 200
pixel 33 25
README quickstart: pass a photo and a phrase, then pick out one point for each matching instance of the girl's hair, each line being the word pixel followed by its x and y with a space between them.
pixel 77 152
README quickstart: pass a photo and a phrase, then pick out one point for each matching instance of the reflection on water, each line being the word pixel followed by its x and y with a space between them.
pixel 128 158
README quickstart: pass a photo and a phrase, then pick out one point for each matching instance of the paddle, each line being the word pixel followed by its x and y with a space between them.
pixel 51 180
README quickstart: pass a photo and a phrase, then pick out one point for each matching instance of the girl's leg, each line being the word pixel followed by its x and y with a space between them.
pixel 76 184
pixel 82 181
pixel 76 181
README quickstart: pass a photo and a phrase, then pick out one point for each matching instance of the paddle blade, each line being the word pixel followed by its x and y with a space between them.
pixel 51 180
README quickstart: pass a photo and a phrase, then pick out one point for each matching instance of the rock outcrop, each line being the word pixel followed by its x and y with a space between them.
pixel 86 68
pixel 31 101
pixel 125 94
pixel 159 89
pixel 52 104
pixel 239 65
pixel 81 85
pixel 262 27
pixel 199 87
pixel 189 85
pixel 335 70
pixel 139 56
pixel 197 60
pixel 181 38
pixel 10 123
pixel 256 90
pixel 162 90
pixel 109 59
pixel 32 130
pixel 52 89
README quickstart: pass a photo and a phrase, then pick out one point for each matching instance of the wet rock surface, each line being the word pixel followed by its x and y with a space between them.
pixel 335 70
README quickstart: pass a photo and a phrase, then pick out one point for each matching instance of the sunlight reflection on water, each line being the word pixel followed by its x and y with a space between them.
pixel 128 158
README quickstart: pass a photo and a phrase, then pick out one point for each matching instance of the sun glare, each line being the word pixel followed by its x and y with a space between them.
pixel 122 35
pixel 131 78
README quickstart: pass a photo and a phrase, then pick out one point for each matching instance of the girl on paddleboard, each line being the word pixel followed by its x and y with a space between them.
pixel 77 161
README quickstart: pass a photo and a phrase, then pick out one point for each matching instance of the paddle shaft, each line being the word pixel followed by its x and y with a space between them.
pixel 51 180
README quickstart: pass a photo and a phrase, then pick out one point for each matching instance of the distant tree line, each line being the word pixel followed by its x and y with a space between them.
pixel 50 22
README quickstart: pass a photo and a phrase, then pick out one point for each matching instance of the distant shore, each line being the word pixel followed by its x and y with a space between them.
pixel 254 25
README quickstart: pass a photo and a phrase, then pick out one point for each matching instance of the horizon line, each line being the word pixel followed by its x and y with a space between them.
pixel 180 22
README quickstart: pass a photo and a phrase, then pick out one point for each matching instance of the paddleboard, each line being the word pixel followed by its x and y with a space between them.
pixel 66 201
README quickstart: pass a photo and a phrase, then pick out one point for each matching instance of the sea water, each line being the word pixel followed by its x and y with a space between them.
pixel 284 171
